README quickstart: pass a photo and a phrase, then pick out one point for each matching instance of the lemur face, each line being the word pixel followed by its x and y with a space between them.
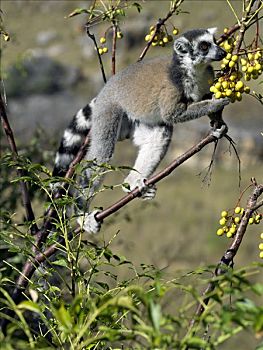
pixel 198 47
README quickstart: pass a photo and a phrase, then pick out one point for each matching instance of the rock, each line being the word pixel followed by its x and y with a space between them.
pixel 45 37
pixel 40 75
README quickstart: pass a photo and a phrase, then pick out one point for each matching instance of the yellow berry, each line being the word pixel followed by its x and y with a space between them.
pixel 238 96
pixel 250 69
pixel 258 217
pixel 224 213
pixel 237 219
pixel 261 235
pixel 101 51
pixel 239 85
pixel 234 58
pixel 225 84
pixel 258 66
pixel 225 228
pixel 225 61
pixel 119 35
pixel 247 77
pixel 228 56
pixel 218 94
pixel 105 50
pixel 228 92
pixel 244 68
pixel 237 210
pixel 154 43
pixel 222 221
pixel 247 89
pixel 218 86
pixel 251 221
pixel 243 62
pixel 175 31
pixel 232 230
pixel 223 66
pixel 220 232
pixel 225 30
pixel 102 40
pixel 165 39
pixel 229 234
pixel 260 246
pixel 261 255
pixel 212 88
pixel 250 56
pixel 231 64
pixel 227 47
pixel 148 37
pixel 232 77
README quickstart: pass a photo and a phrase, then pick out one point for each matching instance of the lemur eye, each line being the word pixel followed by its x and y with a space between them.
pixel 204 45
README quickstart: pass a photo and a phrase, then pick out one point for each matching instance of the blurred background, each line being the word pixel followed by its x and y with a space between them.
pixel 50 70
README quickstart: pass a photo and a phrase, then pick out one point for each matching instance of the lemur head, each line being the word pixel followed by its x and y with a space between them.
pixel 198 46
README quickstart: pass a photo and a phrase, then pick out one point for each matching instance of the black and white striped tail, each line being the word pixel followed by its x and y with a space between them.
pixel 72 139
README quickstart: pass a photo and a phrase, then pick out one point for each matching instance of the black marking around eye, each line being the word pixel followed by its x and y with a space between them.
pixel 204 46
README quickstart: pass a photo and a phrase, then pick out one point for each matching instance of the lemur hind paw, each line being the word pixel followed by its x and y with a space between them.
pixel 219 132
pixel 89 223
pixel 146 192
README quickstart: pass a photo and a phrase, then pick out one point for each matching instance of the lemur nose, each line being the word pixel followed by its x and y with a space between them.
pixel 222 53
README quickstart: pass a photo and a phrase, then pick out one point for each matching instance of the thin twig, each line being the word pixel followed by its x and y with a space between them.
pixel 113 53
pixel 92 36
pixel 20 172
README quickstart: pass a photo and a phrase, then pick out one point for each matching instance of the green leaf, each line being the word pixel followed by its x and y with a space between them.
pixel 30 306
pixel 63 317
pixel 61 262
pixel 155 314
pixel 196 343
pixel 77 11
pixel 138 6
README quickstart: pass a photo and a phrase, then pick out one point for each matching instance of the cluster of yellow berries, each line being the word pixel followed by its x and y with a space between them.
pixel 253 65
pixel 103 49
pixel 229 84
pixel 162 37
pixel 229 224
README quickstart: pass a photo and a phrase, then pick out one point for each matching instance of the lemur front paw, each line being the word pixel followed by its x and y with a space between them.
pixel 89 223
pixel 218 104
pixel 146 192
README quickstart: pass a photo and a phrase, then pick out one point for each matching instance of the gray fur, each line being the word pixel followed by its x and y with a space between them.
pixel 142 102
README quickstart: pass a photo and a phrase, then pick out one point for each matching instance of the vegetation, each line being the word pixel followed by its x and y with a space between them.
pixel 60 289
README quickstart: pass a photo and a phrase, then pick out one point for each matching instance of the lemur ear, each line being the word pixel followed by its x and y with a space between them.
pixel 181 45
pixel 212 30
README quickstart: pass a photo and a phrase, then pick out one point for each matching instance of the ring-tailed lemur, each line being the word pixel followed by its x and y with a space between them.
pixel 143 102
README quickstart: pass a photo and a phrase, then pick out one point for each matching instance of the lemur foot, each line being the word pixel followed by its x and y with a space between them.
pixel 146 192
pixel 219 128
pixel 89 223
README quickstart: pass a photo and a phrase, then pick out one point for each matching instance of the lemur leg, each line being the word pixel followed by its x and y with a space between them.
pixel 103 137
pixel 153 143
